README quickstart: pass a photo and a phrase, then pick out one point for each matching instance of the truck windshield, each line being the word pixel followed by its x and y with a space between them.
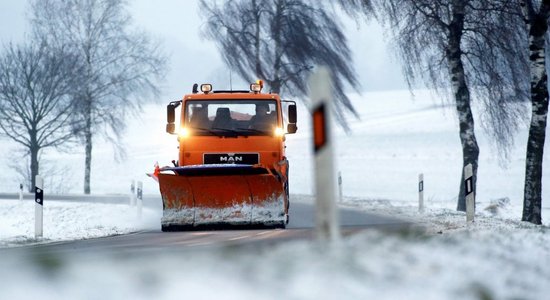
pixel 231 117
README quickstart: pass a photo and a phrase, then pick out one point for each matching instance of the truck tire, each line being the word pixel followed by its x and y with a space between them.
pixel 281 225
pixel 166 228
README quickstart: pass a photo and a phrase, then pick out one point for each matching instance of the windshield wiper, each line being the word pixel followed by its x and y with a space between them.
pixel 227 130
pixel 218 131
pixel 255 130
pixel 208 130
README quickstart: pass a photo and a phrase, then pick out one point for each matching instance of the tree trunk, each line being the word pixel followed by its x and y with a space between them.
pixel 88 161
pixel 257 41
pixel 532 196
pixel 88 146
pixel 34 164
pixel 276 86
pixel 277 30
pixel 470 148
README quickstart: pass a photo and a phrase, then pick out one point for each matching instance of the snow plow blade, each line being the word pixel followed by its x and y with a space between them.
pixel 218 195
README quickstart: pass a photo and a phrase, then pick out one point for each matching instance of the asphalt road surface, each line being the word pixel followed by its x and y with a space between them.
pixel 301 226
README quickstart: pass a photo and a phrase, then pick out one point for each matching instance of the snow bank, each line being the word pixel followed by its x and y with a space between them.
pixel 70 221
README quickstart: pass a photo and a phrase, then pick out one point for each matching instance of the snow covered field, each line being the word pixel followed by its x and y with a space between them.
pixel 65 221
pixel 497 257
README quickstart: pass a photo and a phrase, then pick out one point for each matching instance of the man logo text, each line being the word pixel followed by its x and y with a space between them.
pixel 231 159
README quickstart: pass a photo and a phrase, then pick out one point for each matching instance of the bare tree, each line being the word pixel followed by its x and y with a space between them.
pixel 35 98
pixel 356 8
pixel 536 16
pixel 281 41
pixel 456 45
pixel 122 66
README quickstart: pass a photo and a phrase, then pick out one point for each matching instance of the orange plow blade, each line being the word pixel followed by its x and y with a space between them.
pixel 221 195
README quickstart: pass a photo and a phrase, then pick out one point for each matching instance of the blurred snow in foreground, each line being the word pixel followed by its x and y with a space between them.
pixel 497 257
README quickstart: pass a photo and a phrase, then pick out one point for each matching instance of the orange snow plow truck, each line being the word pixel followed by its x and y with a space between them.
pixel 232 168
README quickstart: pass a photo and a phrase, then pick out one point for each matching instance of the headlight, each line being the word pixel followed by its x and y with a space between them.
pixel 279 131
pixel 183 132
pixel 206 88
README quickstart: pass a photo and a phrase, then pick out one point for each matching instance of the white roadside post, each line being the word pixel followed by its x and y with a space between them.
pixel 38 206
pixel 132 193
pixel 139 198
pixel 320 85
pixel 20 192
pixel 340 193
pixel 470 197
pixel 421 192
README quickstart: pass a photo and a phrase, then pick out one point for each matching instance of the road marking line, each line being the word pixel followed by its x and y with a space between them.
pixel 269 234
pixel 239 238
pixel 201 244
pixel 201 233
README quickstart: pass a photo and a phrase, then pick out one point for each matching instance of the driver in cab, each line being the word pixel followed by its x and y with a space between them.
pixel 263 120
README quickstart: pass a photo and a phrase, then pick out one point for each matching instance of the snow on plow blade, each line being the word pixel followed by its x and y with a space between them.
pixel 220 195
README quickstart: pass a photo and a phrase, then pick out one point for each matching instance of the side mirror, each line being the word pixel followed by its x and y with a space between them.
pixel 292 115
pixel 291 128
pixel 171 118
pixel 171 128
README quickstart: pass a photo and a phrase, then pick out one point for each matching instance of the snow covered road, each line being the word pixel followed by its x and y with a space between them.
pixel 67 220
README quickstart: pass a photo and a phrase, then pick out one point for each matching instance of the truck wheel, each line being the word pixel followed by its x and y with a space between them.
pixel 287 194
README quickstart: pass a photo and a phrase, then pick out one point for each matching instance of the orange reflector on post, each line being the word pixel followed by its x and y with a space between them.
pixel 319 127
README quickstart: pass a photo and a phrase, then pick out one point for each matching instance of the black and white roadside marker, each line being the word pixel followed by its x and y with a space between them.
pixel 139 198
pixel 421 192
pixel 38 206
pixel 340 188
pixel 320 86
pixel 133 193
pixel 20 192
pixel 469 193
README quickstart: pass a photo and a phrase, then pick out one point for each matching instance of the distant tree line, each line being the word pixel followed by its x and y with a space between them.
pixel 489 51
pixel 83 69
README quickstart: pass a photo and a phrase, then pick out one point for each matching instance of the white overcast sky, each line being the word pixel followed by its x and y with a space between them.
pixel 193 59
